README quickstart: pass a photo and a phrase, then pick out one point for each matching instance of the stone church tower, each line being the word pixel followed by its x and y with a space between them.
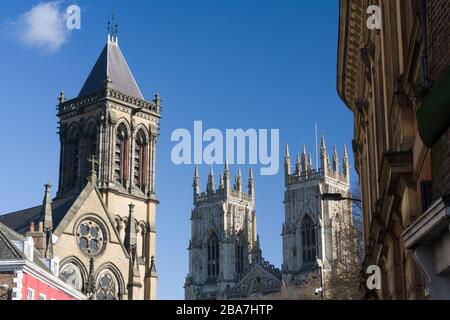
pixel 312 227
pixel 101 225
pixel 225 260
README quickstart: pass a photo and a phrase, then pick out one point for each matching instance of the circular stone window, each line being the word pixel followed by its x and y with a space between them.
pixel 91 237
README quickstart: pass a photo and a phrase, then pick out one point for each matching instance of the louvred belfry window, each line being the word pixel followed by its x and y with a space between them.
pixel 140 161
pixel 213 256
pixel 309 241
pixel 90 148
pixel 121 155
pixel 72 159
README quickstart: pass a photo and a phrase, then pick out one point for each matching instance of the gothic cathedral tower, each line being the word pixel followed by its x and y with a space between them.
pixel 111 120
pixel 224 244
pixel 312 227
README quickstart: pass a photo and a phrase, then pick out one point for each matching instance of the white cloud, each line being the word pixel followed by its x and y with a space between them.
pixel 43 27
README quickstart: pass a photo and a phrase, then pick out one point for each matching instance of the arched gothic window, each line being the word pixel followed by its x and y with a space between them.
pixel 71 274
pixel 121 155
pixel 140 161
pixel 72 159
pixel 107 286
pixel 90 147
pixel 239 252
pixel 309 240
pixel 213 255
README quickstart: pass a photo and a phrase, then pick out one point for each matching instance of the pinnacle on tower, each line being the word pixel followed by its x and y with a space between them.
pixel 335 160
pixel 323 156
pixel 210 186
pixel 130 232
pixel 346 164
pixel 286 152
pixel 251 182
pixel 323 147
pixel 47 217
pixel 238 180
pixel 310 163
pixel 304 161
pixel 226 177
pixel 221 184
pixel 46 213
pixel 287 162
pixel 298 165
pixel 196 184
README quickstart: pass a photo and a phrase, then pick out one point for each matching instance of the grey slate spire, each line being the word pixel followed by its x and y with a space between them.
pixel 111 69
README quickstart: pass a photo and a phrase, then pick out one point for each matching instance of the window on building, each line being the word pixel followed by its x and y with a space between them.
pixel 309 241
pixel 42 296
pixel 239 251
pixel 121 155
pixel 213 255
pixel 72 158
pixel 71 274
pixel 426 189
pixel 30 294
pixel 107 287
pixel 90 147
pixel 140 161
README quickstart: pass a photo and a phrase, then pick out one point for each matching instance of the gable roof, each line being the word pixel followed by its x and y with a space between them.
pixel 19 221
pixel 112 66
pixel 10 250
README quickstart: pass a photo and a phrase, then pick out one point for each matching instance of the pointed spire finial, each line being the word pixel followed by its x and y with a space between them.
pixel 46 214
pixel 211 171
pixel 61 97
pixel 345 152
pixel 286 152
pixel 310 162
pixel 210 186
pixel 196 184
pixel 250 174
pixel 130 234
pixel 298 165
pixel 196 172
pixel 113 30
pixel 221 184
pixel 322 143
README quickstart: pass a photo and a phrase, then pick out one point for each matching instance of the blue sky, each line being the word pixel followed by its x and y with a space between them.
pixel 230 63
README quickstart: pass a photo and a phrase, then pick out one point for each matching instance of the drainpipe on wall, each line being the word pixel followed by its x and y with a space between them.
pixel 424 58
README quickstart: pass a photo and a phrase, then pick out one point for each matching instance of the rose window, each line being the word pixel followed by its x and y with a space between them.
pixel 90 238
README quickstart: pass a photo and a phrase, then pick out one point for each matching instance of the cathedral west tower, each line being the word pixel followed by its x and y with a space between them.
pixel 225 259
pixel 312 228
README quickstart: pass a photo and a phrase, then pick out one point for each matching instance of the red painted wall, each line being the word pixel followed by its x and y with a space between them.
pixel 29 281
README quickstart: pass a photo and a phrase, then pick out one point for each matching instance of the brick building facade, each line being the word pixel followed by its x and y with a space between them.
pixel 395 80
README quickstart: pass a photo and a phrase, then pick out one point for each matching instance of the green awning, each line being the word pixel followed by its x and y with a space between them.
pixel 434 114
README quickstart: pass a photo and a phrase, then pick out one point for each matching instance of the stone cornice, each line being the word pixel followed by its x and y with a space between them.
pixel 150 107
pixel 351 37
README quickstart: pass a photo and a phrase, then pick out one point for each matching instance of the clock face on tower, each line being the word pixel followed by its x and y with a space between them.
pixel 91 237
